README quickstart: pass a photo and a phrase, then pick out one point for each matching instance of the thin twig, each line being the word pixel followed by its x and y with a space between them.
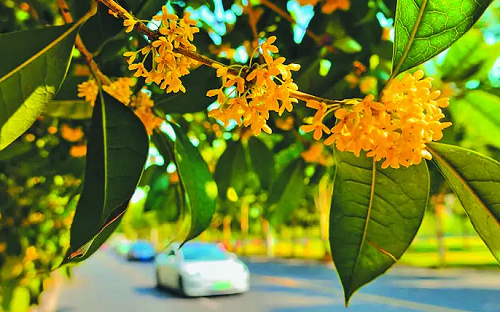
pixel 66 14
pixel 253 25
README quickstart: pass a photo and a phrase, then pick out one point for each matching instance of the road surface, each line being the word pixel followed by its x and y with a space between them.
pixel 108 283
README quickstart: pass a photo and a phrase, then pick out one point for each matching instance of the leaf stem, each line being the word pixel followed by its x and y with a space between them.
pixel 66 14
pixel 205 60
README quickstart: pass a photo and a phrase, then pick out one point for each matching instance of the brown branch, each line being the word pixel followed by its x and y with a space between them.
pixel 66 14
pixel 287 16
pixel 153 35
pixel 253 25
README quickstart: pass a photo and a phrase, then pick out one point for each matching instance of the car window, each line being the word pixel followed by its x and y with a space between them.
pixel 203 253
pixel 142 246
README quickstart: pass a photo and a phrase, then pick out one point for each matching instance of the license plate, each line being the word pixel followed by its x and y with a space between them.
pixel 222 285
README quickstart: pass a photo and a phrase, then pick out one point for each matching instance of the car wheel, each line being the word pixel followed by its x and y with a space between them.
pixel 158 283
pixel 181 287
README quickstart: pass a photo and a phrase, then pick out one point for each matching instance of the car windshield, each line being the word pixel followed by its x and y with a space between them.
pixel 203 253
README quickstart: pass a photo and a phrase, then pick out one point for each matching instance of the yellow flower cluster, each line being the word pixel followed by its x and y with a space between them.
pixel 266 87
pixel 328 6
pixel 142 105
pixel 167 65
pixel 395 129
pixel 78 151
pixel 89 91
pixel 71 134
pixel 121 90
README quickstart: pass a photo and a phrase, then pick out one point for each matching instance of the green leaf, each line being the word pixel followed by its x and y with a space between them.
pixel 199 187
pixel 262 161
pixel 479 113
pixel 159 189
pixel 197 83
pixel 348 45
pixel 149 8
pixel 31 77
pixel 117 151
pixel 101 28
pixel 458 60
pixel 14 150
pixel 231 169
pixel 425 28
pixel 374 217
pixel 286 193
pixel 475 180
pixel 76 110
pixel 67 104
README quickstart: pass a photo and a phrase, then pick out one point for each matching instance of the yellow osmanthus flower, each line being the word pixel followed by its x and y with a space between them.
pixel 396 128
pixel 120 89
pixel 78 151
pixel 89 91
pixel 167 66
pixel 71 134
pixel 264 88
pixel 285 124
pixel 31 254
pixel 142 105
pixel 316 154
pixel 328 6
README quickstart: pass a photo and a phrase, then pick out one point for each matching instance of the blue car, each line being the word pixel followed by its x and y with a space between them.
pixel 141 251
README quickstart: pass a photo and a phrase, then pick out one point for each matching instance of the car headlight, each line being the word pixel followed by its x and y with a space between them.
pixel 192 271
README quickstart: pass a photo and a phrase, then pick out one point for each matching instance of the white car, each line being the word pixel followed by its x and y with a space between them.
pixel 201 269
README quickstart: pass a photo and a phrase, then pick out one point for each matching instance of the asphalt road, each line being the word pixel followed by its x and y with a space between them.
pixel 107 283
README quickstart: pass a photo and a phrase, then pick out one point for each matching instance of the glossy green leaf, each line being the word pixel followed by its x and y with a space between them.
pixel 286 193
pixel 31 77
pixel 475 179
pixel 479 113
pixel 117 151
pixel 197 83
pixel 199 187
pixel 262 161
pixel 425 28
pixel 231 169
pixel 374 217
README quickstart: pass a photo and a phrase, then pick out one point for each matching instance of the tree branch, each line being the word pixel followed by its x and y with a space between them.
pixel 153 35
pixel 66 14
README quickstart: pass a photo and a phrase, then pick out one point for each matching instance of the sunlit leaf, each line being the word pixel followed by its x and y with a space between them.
pixel 479 113
pixel 374 217
pixel 286 193
pixel 262 161
pixel 231 169
pixel 199 187
pixel 117 150
pixel 475 179
pixel 424 28
pixel 31 77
